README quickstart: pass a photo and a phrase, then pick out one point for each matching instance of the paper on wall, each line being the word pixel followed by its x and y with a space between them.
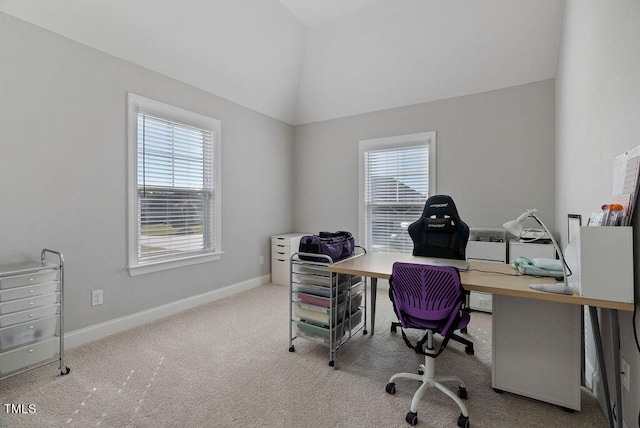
pixel 626 167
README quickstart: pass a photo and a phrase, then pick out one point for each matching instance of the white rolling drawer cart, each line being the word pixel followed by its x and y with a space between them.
pixel 325 307
pixel 31 315
pixel 282 248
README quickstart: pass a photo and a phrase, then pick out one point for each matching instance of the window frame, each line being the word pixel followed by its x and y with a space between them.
pixel 399 141
pixel 137 104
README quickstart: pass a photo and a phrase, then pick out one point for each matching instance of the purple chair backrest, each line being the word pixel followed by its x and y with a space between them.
pixel 426 296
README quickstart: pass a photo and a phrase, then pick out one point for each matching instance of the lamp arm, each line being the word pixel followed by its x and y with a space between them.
pixel 557 247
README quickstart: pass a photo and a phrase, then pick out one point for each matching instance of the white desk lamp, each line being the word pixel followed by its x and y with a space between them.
pixel 515 228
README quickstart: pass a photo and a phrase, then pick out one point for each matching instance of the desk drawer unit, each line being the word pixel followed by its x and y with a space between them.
pixel 536 349
pixel 282 247
pixel 31 323
pixel 495 252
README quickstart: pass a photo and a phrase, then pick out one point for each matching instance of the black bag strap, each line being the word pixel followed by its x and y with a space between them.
pixel 338 236
pixel 419 346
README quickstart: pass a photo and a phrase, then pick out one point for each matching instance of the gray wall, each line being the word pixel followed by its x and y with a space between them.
pixel 598 106
pixel 63 160
pixel 495 157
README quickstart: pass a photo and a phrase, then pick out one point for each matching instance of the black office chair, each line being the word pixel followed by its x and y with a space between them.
pixel 440 232
pixel 429 298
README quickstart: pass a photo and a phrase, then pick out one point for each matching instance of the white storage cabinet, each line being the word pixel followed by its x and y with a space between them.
pixel 487 252
pixel 521 327
pixel 31 315
pixel 282 247
pixel 605 263
pixel 325 307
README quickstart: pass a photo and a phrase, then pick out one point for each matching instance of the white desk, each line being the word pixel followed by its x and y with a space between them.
pixel 504 281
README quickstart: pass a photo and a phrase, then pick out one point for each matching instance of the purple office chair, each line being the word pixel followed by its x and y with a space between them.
pixel 429 297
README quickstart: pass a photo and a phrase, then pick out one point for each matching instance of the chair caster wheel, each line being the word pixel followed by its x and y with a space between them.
pixel 469 350
pixel 393 329
pixel 332 363
pixel 64 370
pixel 412 418
pixel 463 421
pixel 463 330
pixel 292 348
pixel 462 392
pixel 390 388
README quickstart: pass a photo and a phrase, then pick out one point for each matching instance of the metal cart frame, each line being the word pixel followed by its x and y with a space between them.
pixel 338 288
pixel 59 266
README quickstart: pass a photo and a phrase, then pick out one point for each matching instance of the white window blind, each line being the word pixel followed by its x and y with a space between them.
pixel 396 187
pixel 174 187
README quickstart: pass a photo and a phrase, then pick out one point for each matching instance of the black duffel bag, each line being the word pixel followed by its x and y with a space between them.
pixel 338 246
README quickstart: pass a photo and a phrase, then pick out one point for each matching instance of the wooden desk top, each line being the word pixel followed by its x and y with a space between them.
pixel 487 277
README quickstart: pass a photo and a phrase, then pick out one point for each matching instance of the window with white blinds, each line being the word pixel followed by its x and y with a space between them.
pixel 176 212
pixel 397 180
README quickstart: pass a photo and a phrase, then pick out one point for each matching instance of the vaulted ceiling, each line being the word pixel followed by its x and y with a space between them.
pixel 303 61
pixel 315 12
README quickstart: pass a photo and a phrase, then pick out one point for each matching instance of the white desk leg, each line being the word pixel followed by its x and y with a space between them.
pixel 595 326
pixel 374 293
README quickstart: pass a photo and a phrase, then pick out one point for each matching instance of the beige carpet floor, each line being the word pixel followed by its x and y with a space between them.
pixel 227 364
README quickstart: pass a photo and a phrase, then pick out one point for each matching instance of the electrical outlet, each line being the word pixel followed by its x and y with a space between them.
pixel 261 260
pixel 96 297
pixel 624 373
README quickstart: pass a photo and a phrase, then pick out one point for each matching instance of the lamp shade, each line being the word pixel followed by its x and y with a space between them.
pixel 514 227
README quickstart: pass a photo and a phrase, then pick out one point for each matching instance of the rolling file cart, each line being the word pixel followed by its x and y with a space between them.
pixel 32 315
pixel 325 307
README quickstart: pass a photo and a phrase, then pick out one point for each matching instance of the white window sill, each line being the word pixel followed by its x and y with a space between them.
pixel 172 264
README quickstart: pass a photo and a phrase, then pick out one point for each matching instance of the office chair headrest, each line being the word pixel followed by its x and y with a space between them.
pixel 439 206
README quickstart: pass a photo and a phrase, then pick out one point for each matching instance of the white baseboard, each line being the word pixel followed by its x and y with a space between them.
pixel 98 331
